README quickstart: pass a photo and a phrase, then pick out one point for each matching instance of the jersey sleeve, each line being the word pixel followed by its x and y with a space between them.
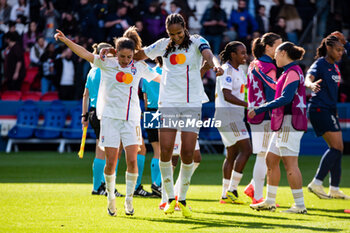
pixel 314 69
pixel 156 49
pixel 225 81
pixel 146 71
pixel 200 42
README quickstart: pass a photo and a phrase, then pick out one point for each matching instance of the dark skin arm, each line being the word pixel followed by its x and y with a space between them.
pixel 233 99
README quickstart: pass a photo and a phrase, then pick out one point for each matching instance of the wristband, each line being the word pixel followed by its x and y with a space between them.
pixel 85 116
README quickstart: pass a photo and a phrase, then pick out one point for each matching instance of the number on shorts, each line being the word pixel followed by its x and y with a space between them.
pixel 138 132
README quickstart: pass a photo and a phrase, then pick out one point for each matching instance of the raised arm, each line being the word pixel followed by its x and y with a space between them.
pixel 77 49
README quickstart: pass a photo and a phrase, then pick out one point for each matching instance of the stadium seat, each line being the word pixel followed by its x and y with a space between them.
pixel 50 96
pixel 27 120
pixel 31 95
pixel 54 121
pixel 11 95
pixel 74 130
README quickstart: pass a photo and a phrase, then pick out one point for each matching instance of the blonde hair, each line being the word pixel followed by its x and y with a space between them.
pixel 98 47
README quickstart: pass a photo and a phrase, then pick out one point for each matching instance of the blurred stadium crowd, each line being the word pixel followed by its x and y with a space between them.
pixel 32 61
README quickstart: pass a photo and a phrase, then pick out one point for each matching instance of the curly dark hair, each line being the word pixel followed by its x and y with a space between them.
pixel 177 19
pixel 328 41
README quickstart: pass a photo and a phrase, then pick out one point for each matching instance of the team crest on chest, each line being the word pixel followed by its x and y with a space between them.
pixel 133 70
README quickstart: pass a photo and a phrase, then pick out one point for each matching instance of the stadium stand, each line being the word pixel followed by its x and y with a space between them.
pixel 11 95
pixel 50 96
pixel 31 95
pixel 72 134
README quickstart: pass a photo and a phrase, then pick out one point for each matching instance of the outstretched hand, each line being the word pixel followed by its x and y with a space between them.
pixel 315 87
pixel 60 36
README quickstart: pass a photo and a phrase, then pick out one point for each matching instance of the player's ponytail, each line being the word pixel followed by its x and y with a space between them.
pixel 177 19
pixel 98 47
pixel 231 47
pixel 132 34
pixel 259 44
pixel 322 49
pixel 294 52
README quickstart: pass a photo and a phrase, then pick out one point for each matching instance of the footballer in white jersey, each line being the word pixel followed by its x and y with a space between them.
pixel 181 87
pixel 119 121
pixel 229 101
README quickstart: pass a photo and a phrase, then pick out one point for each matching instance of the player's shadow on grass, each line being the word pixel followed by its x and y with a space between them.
pixel 202 200
pixel 336 211
pixel 203 223
pixel 226 213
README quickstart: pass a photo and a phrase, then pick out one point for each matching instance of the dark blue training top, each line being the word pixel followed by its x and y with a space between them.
pixel 330 75
pixel 286 97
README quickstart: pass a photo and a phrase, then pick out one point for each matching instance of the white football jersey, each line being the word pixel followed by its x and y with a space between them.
pixel 181 80
pixel 118 92
pixel 235 81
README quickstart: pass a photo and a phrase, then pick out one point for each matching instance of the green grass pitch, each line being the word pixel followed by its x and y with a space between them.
pixel 50 192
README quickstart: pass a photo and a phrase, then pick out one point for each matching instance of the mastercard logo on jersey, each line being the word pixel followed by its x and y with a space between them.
pixel 177 59
pixel 124 77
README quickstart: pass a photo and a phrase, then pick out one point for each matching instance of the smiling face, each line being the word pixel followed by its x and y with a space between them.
pixel 124 57
pixel 240 56
pixel 335 52
pixel 176 33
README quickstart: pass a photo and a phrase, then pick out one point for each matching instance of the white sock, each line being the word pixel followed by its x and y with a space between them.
pixel 298 197
pixel 317 182
pixel 167 178
pixel 259 173
pixel 333 188
pixel 225 184
pixel 185 179
pixel 110 186
pixel 164 197
pixel 271 194
pixel 235 179
pixel 177 183
pixel 130 181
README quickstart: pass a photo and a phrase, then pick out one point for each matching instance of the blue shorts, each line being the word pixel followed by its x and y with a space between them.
pixel 324 120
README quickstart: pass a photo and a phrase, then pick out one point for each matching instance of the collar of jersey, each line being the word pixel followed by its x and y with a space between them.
pixel 265 58
pixel 130 64
pixel 232 66
pixel 286 67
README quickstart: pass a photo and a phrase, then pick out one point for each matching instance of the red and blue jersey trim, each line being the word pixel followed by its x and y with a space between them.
pixel 188 83
pixel 128 109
